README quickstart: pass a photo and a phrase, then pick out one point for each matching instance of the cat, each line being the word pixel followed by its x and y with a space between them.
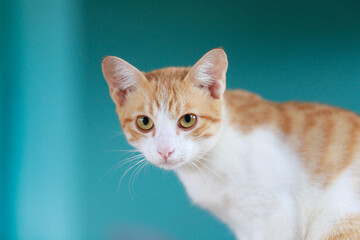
pixel 268 170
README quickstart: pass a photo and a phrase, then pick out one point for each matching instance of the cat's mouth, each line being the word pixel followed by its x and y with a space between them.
pixel 169 165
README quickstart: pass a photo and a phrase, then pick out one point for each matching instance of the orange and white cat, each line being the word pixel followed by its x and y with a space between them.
pixel 269 170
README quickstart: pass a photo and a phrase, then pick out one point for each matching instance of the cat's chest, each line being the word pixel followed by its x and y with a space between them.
pixel 223 192
pixel 238 202
pixel 203 187
pixel 241 167
pixel 248 180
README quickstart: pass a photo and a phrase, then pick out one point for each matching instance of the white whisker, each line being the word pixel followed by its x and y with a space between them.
pixel 119 164
pixel 118 134
pixel 134 175
pixel 201 172
pixel 211 170
pixel 125 161
pixel 136 164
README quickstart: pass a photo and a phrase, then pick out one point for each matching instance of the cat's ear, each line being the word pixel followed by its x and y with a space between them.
pixel 121 77
pixel 210 72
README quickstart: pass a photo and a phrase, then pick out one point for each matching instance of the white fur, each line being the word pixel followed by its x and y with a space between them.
pixel 255 183
pixel 257 186
pixel 325 207
pixel 255 195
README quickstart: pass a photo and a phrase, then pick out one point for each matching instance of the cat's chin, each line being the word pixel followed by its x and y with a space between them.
pixel 169 165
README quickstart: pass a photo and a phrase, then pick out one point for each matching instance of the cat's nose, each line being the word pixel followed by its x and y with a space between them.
pixel 165 152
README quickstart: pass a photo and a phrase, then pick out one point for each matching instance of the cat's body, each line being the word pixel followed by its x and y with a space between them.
pixel 268 170
pixel 281 187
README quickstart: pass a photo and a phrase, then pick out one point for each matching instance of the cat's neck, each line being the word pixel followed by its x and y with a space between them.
pixel 235 154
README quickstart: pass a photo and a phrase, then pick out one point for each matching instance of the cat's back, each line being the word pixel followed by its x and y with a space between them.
pixel 327 142
pixel 327 138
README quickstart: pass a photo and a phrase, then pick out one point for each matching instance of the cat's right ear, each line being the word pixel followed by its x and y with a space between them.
pixel 121 77
pixel 210 72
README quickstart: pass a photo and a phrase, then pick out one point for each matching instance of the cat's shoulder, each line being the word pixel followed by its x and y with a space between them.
pixel 248 111
pixel 245 100
pixel 239 95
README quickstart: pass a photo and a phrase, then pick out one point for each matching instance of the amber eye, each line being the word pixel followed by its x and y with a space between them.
pixel 144 123
pixel 187 121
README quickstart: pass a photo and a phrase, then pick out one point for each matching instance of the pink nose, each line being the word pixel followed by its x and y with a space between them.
pixel 165 152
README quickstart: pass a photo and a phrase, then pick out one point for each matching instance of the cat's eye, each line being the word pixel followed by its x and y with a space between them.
pixel 187 121
pixel 144 123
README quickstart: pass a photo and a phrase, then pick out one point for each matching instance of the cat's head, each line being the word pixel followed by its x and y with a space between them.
pixel 171 115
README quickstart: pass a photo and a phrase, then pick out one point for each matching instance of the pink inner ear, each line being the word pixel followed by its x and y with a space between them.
pixel 210 72
pixel 118 96
pixel 216 89
pixel 217 86
pixel 120 74
pixel 121 77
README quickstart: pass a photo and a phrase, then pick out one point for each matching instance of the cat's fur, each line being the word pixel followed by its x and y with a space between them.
pixel 269 170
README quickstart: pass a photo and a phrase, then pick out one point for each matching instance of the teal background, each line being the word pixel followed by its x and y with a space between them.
pixel 59 132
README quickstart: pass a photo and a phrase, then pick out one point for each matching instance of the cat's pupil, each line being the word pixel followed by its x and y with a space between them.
pixel 187 118
pixel 145 121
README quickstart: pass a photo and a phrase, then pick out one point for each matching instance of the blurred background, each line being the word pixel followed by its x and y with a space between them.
pixel 60 135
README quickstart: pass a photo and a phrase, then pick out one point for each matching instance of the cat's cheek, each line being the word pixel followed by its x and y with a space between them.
pixel 147 148
pixel 189 151
pixel 204 146
pixel 143 146
pixel 135 144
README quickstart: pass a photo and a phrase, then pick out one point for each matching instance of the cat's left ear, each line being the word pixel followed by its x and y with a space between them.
pixel 121 77
pixel 210 72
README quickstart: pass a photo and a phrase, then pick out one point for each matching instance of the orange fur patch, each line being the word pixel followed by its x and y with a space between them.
pixel 346 229
pixel 326 137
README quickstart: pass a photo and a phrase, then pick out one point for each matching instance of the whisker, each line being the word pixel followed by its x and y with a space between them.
pixel 118 134
pixel 211 170
pixel 122 177
pixel 201 172
pixel 148 167
pixel 125 161
pixel 210 154
pixel 126 151
pixel 118 165
pixel 208 160
pixel 133 176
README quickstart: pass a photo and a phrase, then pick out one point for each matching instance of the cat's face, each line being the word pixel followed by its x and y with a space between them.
pixel 171 115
